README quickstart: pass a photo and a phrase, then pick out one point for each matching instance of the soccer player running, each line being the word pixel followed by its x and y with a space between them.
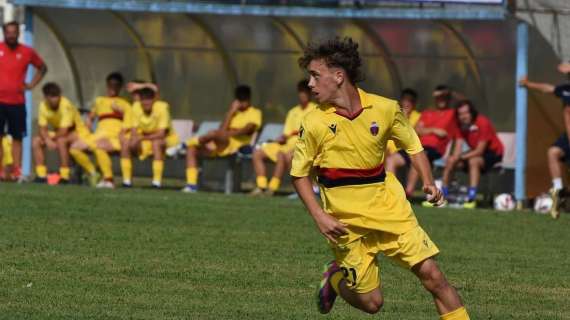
pixel 114 117
pixel 281 150
pixel 14 61
pixel 559 152
pixel 398 158
pixel 64 118
pixel 365 211
pixel 151 133
pixel 235 132
pixel 486 149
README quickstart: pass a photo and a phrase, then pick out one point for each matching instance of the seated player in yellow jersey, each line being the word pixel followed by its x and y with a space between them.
pixel 242 121
pixel 151 134
pixel 398 158
pixel 281 150
pixel 113 115
pixel 365 211
pixel 57 112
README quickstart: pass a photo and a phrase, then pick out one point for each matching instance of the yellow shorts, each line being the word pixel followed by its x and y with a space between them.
pixel 358 262
pixel 272 149
pixel 113 139
pixel 232 147
pixel 146 145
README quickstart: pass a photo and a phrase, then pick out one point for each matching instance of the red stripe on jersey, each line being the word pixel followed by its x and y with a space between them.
pixel 114 115
pixel 335 173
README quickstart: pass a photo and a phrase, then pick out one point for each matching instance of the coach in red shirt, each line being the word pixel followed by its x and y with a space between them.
pixel 486 149
pixel 14 61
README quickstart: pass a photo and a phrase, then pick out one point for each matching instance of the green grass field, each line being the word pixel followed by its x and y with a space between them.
pixel 79 253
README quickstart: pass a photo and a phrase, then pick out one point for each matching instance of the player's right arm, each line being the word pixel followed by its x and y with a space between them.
pixel 305 153
pixel 539 86
pixel 234 107
pixel 422 130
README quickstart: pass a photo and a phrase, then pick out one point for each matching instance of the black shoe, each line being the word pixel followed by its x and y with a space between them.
pixel 127 185
pixel 63 182
pixel 40 180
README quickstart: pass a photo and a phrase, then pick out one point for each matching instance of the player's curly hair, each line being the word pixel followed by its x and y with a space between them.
pixel 336 52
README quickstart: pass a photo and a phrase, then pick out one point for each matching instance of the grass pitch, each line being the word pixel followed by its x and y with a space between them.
pixel 79 253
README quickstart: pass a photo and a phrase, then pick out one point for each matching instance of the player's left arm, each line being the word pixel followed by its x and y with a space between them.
pixel 155 135
pixel 406 139
pixel 249 129
pixel 41 70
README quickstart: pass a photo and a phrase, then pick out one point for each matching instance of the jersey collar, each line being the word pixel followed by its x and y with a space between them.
pixel 329 108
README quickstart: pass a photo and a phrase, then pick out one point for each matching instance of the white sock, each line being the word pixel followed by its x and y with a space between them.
pixel 557 184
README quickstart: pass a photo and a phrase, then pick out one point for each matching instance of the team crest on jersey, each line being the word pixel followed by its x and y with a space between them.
pixel 374 129
pixel 333 128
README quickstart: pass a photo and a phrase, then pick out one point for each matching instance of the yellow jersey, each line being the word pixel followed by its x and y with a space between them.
pixel 348 155
pixel 413 118
pixel 158 119
pixel 293 122
pixel 66 116
pixel 239 121
pixel 113 114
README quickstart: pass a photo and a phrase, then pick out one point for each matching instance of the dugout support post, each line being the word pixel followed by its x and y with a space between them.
pixel 27 141
pixel 521 113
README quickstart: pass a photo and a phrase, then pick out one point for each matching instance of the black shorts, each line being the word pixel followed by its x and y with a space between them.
pixel 491 159
pixel 430 152
pixel 563 143
pixel 13 121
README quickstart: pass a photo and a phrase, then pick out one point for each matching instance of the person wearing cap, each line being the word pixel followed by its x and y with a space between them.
pixel 435 128
pixel 559 153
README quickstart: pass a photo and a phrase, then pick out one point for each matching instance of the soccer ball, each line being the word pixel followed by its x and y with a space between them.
pixel 543 203
pixel 504 202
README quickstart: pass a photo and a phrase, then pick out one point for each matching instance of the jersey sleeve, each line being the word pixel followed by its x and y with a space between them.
pixel 404 135
pixel 306 150
pixel 486 131
pixel 42 116
pixel 164 118
pixel 36 60
pixel 256 119
pixel 289 127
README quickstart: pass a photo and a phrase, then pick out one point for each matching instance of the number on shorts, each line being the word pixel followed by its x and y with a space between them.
pixel 349 275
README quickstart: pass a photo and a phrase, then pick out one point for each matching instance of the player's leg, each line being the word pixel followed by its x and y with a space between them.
pixel 411 183
pixel 258 160
pixel 556 155
pixel 191 169
pixel 102 148
pixel 78 151
pixel 280 166
pixel 446 298
pixel 394 162
pixel 16 129
pixel 63 144
pixel 38 151
pixel 475 166
pixel 448 171
pixel 354 275
pixel 126 162
pixel 158 147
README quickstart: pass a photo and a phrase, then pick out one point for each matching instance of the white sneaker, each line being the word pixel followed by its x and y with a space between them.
pixel 190 189
pixel 156 184
pixel 103 184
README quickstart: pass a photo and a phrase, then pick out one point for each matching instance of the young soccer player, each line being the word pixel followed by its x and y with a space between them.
pixel 64 119
pixel 113 114
pixel 486 149
pixel 236 131
pixel 151 133
pixel 365 211
pixel 281 151
pixel 559 152
pixel 398 158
